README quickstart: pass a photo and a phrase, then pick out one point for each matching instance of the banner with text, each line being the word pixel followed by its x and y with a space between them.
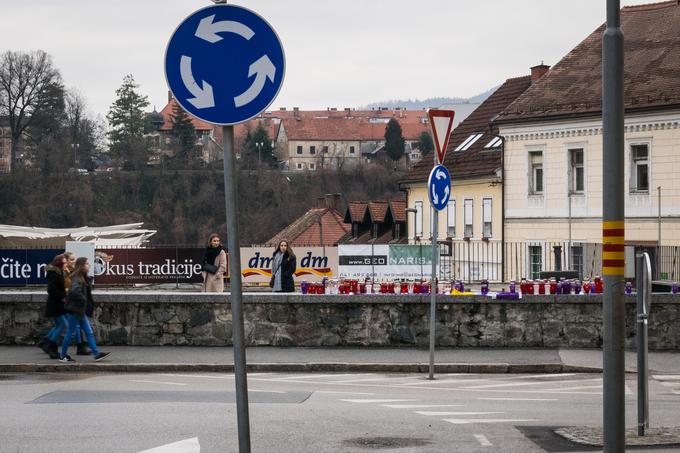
pixel 313 263
pixel 157 265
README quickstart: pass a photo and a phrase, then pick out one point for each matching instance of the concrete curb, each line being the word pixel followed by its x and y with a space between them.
pixel 480 368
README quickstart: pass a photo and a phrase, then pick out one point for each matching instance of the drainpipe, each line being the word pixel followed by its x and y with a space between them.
pixel 502 209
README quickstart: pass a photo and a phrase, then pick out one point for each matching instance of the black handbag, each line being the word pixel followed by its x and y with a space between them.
pixel 210 268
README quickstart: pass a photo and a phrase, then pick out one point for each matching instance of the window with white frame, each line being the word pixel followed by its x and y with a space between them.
pixel 300 166
pixel 536 172
pixel 486 217
pixel 312 166
pixel 419 218
pixel 451 219
pixel 576 259
pixel 639 172
pixel 467 218
pixel 535 261
pixel 576 171
pixel 312 150
pixel 299 149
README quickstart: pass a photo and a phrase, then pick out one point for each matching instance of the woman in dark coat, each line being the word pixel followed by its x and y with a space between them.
pixel 284 264
pixel 54 307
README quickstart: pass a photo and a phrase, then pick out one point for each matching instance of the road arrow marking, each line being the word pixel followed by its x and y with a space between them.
pixel 208 29
pixel 262 69
pixel 203 97
pixel 183 446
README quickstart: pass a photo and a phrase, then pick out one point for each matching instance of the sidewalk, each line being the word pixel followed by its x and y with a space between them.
pixel 269 359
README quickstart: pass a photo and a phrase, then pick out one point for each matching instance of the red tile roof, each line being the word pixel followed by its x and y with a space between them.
pixel 305 231
pixel 356 212
pixel 574 85
pixel 398 209
pixel 167 117
pixel 355 128
pixel 477 161
pixel 378 211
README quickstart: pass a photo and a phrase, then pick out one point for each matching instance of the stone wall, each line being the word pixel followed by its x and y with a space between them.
pixel 176 318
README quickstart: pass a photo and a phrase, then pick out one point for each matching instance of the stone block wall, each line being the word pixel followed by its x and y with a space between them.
pixel 176 318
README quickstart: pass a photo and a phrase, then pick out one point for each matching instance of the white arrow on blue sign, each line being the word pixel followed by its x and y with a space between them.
pixel 439 187
pixel 224 64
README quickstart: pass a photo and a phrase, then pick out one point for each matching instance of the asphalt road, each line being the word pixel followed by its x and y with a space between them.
pixel 321 412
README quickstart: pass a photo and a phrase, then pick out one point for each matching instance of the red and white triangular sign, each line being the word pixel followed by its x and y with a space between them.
pixel 441 122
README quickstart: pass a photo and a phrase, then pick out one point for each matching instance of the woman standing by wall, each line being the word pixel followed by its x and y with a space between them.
pixel 284 264
pixel 214 266
pixel 78 304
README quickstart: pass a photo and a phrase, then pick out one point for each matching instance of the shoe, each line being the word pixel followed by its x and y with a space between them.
pixel 51 349
pixel 81 349
pixel 66 359
pixel 46 345
pixel 101 356
pixel 42 342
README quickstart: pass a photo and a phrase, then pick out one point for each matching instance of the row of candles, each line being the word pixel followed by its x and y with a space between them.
pixel 368 286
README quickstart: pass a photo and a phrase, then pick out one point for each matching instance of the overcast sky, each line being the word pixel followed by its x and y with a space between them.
pixel 338 53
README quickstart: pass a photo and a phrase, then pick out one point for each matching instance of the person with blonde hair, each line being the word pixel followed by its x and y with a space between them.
pixel 78 304
pixel 214 266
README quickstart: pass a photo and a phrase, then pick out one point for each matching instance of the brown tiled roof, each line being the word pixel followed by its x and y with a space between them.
pixel 475 161
pixel 574 85
pixel 378 211
pixel 355 128
pixel 167 117
pixel 356 212
pixel 398 209
pixel 306 231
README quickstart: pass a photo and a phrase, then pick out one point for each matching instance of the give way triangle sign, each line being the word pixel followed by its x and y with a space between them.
pixel 441 122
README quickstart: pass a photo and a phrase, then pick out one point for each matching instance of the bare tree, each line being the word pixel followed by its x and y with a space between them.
pixel 27 82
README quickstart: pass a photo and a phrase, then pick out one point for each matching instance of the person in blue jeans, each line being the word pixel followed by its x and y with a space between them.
pixel 56 273
pixel 78 306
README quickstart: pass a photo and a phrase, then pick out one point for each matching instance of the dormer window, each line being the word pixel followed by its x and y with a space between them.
pixel 355 230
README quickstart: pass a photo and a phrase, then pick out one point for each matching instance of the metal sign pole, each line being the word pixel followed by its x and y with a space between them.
pixel 433 281
pixel 613 228
pixel 235 297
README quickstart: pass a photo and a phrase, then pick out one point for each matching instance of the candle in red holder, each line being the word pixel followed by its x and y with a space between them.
pixel 530 287
pixel 599 285
pixel 587 287
pixel 362 288
pixel 541 288
pixel 553 286
pixel 354 286
pixel 416 288
pixel 523 286
pixel 403 288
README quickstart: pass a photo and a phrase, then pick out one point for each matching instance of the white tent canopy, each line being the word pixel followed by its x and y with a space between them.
pixel 128 235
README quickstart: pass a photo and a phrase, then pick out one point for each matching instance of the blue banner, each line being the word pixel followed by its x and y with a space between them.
pixel 25 267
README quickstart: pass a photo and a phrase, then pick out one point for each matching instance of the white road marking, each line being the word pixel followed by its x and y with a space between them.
pixel 483 441
pixel 469 421
pixel 183 446
pixel 518 384
pixel 201 376
pixel 445 381
pixel 376 401
pixel 343 393
pixel 667 377
pixel 156 382
pixel 314 376
pixel 266 391
pixel 519 399
pixel 448 414
pixel 583 387
pixel 418 406
pixel 368 380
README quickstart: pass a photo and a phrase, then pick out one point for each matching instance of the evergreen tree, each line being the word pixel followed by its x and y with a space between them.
pixel 425 143
pixel 127 122
pixel 185 132
pixel 258 147
pixel 394 140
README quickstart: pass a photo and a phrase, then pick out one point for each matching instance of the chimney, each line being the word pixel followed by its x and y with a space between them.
pixel 321 202
pixel 332 200
pixel 538 71
pixel 169 95
pixel 296 112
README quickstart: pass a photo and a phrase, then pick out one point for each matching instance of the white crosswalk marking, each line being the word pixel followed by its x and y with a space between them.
pixel 518 384
pixel 483 441
pixel 317 376
pixel 519 399
pixel 667 377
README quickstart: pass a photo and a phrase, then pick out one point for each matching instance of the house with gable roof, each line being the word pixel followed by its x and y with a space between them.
pixel 553 143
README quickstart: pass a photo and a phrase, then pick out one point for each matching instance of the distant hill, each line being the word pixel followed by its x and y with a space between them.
pixel 417 104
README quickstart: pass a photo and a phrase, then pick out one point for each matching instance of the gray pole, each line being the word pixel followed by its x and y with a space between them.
pixel 230 191
pixel 433 281
pixel 643 394
pixel 613 228
pixel 433 288
pixel 658 248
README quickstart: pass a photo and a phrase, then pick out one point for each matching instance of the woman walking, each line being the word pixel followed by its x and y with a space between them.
pixel 54 307
pixel 284 264
pixel 78 305
pixel 214 266
pixel 70 258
